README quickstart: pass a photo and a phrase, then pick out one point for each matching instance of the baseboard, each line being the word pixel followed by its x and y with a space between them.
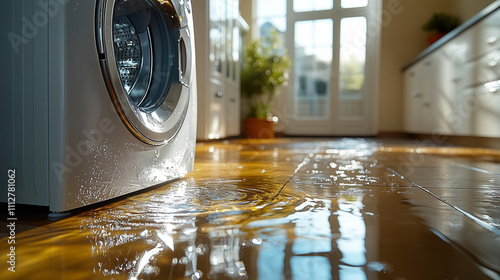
pixel 394 134
pixel 466 141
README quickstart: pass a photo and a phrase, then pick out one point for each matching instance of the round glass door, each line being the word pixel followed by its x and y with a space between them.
pixel 145 59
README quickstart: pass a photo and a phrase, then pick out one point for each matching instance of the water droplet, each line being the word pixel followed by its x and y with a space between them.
pixel 197 275
pixel 201 249
pixel 379 266
pixel 257 241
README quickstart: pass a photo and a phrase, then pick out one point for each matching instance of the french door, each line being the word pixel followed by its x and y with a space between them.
pixel 333 83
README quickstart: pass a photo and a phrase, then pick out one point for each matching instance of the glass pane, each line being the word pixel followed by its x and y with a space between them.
pixel 271 8
pixel 354 3
pixel 236 51
pixel 352 66
pixel 312 5
pixel 313 60
pixel 217 38
pixel 236 42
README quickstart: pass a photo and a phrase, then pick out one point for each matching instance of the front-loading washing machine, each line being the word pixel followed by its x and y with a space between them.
pixel 99 98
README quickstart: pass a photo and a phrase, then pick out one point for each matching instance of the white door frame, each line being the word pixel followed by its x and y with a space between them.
pixel 334 124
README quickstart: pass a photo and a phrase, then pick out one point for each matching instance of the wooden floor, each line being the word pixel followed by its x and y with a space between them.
pixel 286 209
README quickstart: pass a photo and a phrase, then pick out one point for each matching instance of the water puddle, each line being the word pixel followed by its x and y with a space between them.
pixel 265 210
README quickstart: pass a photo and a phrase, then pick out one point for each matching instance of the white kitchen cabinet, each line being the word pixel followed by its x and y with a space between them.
pixel 218 28
pixel 454 90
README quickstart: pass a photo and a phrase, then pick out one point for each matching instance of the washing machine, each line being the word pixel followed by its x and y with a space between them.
pixel 99 99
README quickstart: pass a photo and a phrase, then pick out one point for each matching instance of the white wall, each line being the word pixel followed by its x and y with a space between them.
pixel 465 9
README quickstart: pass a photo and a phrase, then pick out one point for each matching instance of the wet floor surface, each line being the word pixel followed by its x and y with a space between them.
pixel 287 209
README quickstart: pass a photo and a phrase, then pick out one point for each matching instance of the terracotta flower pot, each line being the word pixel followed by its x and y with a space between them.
pixel 433 38
pixel 259 128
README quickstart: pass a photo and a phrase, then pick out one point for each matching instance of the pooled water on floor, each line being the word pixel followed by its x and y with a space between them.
pixel 283 209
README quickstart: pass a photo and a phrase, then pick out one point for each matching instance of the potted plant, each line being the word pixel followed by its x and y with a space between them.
pixel 440 24
pixel 264 72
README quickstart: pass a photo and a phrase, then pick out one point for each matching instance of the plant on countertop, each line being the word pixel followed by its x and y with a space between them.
pixel 441 23
pixel 264 72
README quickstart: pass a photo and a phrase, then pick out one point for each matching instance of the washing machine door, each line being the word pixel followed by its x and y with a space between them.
pixel 146 57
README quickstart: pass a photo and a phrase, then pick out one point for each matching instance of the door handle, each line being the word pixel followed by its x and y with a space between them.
pixel 494 62
pixel 492 40
pixel 219 94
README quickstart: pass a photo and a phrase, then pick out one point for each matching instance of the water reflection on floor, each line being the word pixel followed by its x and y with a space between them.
pixel 289 209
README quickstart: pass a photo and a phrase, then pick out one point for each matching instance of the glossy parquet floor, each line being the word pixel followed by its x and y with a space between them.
pixel 287 209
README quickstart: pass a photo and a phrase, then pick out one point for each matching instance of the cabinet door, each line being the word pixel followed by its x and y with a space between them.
pixel 233 110
pixel 428 115
pixel 217 110
pixel 413 98
pixel 462 118
pixel 486 117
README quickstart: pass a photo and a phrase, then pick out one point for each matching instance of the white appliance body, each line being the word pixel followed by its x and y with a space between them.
pixel 100 98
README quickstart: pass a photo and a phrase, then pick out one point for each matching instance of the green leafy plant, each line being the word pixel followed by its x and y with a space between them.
pixel 264 72
pixel 441 23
